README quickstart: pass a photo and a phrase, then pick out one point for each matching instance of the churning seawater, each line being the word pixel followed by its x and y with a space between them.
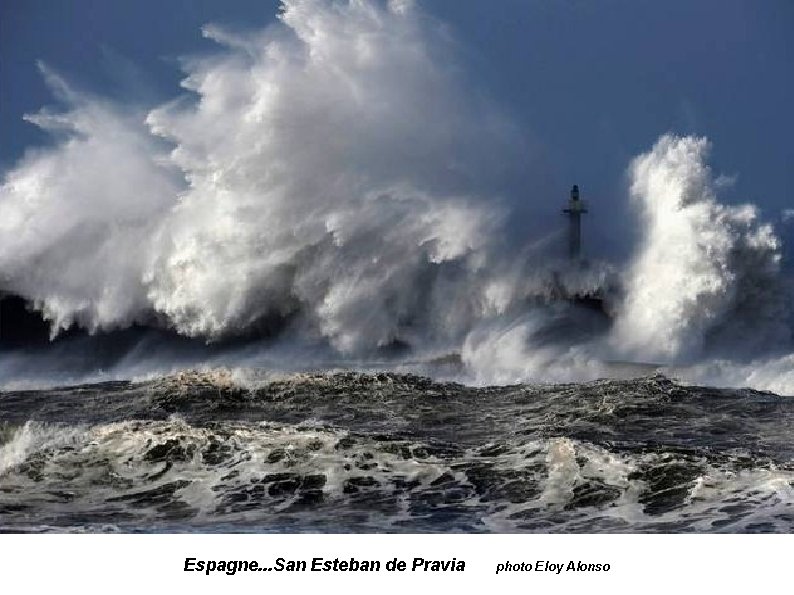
pixel 383 452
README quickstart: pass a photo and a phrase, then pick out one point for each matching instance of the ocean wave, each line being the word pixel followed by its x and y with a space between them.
pixel 336 188
pixel 395 453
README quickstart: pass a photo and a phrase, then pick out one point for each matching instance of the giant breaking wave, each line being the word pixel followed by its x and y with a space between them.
pixel 338 178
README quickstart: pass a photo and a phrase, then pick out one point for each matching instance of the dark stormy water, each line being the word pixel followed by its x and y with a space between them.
pixel 394 453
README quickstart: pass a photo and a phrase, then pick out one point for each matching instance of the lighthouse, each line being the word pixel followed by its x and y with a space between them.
pixel 574 213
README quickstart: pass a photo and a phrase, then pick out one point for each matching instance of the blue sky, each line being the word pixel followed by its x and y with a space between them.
pixel 593 83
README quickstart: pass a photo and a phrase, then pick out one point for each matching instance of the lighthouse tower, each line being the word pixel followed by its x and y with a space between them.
pixel 574 213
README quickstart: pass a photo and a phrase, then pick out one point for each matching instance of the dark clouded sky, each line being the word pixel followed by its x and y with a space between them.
pixel 593 83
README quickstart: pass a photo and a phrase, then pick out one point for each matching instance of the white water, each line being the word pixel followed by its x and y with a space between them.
pixel 703 266
pixel 338 171
pixel 98 466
